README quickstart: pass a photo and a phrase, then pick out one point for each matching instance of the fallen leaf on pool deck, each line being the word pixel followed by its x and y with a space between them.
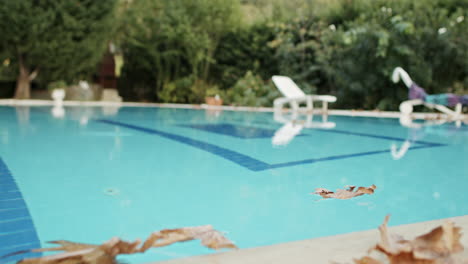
pixel 435 247
pixel 106 253
pixel 345 194
pixel 367 260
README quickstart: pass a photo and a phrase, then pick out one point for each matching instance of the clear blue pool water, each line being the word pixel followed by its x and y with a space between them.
pixel 95 174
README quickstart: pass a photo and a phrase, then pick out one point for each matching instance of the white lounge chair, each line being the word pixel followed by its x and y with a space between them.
pixel 294 95
pixel 417 96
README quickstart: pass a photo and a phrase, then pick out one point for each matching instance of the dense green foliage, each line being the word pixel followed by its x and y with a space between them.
pixel 244 50
pixel 345 48
pixel 251 90
pixel 172 43
pixel 297 45
pixel 53 39
pixel 424 37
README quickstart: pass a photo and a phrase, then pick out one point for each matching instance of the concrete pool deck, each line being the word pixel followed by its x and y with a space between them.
pixel 334 249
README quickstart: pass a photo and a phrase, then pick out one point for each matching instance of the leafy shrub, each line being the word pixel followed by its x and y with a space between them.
pixel 251 90
pixel 187 90
pixel 347 48
pixel 171 40
pixel 176 91
pixel 57 85
pixel 213 91
pixel 242 50
pixel 297 44
pixel 339 12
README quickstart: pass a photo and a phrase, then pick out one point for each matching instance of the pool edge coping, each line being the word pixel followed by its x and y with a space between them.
pixel 341 248
pixel 337 112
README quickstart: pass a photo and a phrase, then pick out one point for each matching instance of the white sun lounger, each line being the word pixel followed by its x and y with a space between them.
pixel 294 95
pixel 406 107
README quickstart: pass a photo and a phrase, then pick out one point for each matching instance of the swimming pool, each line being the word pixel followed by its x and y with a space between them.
pixel 98 173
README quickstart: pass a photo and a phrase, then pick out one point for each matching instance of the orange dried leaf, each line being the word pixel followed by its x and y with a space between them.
pixel 367 190
pixel 439 243
pixel 434 247
pixel 345 194
pixel 209 237
pixel 107 252
pixel 215 240
pixel 391 244
pixel 367 260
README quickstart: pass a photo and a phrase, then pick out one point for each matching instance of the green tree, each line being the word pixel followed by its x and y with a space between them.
pixel 56 39
pixel 297 44
pixel 245 50
pixel 174 39
pixel 427 38
pixel 255 11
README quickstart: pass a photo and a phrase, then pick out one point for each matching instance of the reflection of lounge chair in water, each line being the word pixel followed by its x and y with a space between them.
pixel 418 130
pixel 414 134
pixel 418 96
pixel 286 133
pixel 293 126
pixel 399 153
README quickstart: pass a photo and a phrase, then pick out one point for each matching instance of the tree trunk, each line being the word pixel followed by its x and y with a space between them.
pixel 23 83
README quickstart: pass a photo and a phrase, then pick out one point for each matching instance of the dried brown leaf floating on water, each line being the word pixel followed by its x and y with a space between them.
pixel 345 194
pixel 209 237
pixel 78 253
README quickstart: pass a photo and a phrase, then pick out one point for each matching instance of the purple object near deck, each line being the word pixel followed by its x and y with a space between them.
pixel 464 99
pixel 416 92
pixel 447 99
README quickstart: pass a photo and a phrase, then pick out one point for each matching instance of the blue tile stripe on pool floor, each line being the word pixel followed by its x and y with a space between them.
pixel 17 231
pixel 257 165
pixel 237 131
pixel 344 132
pixel 236 157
